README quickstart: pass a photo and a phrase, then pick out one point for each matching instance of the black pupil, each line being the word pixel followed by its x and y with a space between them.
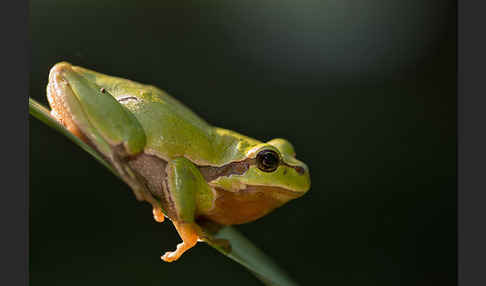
pixel 268 161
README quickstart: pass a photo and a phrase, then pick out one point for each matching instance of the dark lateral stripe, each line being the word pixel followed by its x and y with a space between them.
pixel 211 173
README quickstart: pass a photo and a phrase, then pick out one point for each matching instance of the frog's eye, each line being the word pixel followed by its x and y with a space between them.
pixel 267 160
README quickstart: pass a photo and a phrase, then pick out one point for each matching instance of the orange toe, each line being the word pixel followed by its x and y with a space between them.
pixel 158 215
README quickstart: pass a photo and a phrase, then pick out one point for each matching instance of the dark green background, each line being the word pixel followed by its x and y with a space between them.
pixel 364 89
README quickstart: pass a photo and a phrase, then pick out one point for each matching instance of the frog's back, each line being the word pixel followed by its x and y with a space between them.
pixel 173 130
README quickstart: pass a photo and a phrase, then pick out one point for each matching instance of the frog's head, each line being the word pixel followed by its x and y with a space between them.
pixel 275 166
pixel 267 177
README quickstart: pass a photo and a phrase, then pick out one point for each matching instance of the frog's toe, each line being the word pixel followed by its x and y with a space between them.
pixel 172 256
pixel 181 248
pixel 168 257
pixel 158 214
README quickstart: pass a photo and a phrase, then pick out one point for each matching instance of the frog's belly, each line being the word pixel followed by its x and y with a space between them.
pixel 246 205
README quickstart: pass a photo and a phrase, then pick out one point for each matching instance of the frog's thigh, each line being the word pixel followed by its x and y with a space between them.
pixel 184 180
pixel 93 110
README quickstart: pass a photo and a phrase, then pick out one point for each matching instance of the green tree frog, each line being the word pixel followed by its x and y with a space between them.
pixel 188 170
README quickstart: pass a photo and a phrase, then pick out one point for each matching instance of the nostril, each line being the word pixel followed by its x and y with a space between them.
pixel 300 170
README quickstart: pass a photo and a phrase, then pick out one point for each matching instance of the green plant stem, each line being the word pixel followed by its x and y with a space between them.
pixel 243 251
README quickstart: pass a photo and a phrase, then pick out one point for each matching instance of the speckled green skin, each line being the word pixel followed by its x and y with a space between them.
pixel 113 112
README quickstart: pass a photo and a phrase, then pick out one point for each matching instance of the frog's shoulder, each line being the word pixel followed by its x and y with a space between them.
pixel 231 146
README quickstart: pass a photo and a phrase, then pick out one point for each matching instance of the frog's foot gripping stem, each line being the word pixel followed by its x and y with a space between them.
pixel 189 234
pixel 210 229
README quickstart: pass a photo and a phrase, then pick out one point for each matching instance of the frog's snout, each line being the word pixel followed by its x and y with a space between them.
pixel 307 180
pixel 303 179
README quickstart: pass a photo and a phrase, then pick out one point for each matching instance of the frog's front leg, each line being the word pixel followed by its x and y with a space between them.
pixel 191 195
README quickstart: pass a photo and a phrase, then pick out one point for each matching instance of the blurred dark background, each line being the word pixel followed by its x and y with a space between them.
pixel 366 91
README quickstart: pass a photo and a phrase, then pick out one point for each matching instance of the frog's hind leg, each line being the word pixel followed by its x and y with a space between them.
pixel 87 108
pixel 91 113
